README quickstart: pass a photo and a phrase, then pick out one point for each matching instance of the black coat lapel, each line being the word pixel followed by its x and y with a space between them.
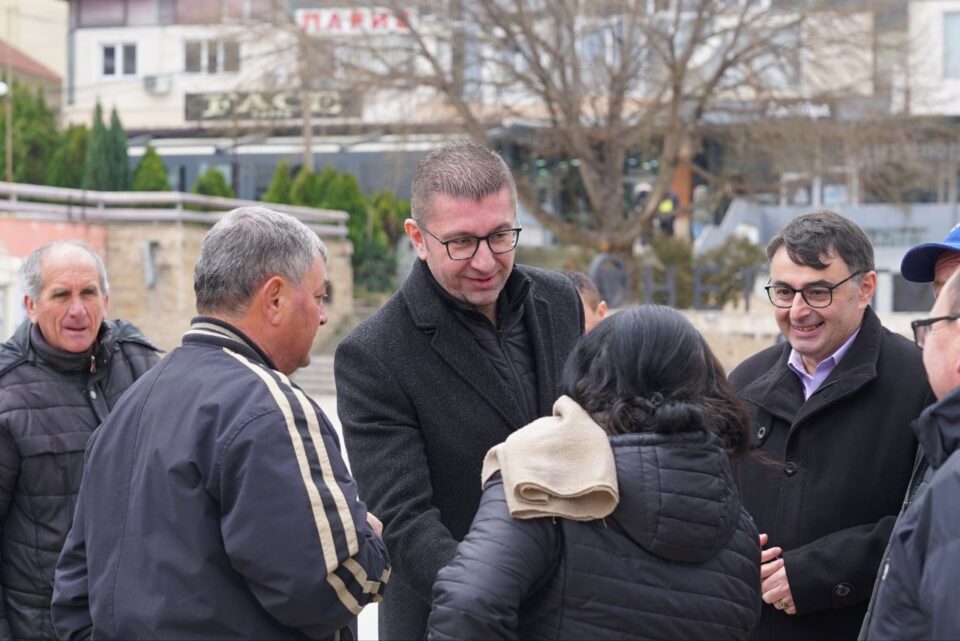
pixel 537 319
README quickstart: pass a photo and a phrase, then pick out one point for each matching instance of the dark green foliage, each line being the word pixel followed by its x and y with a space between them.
pixel 669 251
pixel 119 159
pixel 66 166
pixel 375 223
pixel 151 173
pixel 35 136
pixel 280 185
pixel 96 165
pixel 212 183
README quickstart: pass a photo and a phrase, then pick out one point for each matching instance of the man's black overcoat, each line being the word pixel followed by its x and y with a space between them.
pixel 421 403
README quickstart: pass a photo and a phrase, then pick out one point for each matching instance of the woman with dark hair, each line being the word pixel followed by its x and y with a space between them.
pixel 618 517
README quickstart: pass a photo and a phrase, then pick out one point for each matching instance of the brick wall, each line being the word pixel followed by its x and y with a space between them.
pixel 163 312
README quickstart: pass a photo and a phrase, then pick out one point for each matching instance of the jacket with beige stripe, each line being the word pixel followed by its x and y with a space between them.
pixel 215 504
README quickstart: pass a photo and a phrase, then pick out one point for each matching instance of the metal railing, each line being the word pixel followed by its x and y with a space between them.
pixel 38 202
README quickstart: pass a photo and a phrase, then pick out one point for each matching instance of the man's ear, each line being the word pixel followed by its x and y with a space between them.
pixel 602 309
pixel 868 286
pixel 416 237
pixel 271 295
pixel 30 307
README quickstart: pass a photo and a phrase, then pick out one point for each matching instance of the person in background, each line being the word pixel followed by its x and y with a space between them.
pixel 469 350
pixel 60 375
pixel 618 517
pixel 215 503
pixel 594 308
pixel 832 406
pixel 917 595
pixel 933 262
pixel 924 263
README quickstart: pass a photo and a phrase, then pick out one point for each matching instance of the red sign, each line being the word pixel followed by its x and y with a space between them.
pixel 349 22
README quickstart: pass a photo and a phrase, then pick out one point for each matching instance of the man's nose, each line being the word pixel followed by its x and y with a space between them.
pixel 483 259
pixel 799 306
pixel 76 307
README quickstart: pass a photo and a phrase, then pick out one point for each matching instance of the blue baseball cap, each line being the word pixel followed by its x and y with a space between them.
pixel 918 263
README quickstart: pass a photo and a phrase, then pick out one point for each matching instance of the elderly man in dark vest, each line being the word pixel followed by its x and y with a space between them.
pixel 60 375
pixel 469 350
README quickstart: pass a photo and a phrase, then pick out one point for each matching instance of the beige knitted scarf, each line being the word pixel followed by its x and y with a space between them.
pixel 560 465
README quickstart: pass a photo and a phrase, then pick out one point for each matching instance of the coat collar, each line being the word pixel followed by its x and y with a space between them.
pixel 432 313
pixel 208 330
pixel 779 390
pixel 938 429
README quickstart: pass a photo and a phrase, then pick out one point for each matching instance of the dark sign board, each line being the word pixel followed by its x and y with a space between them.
pixel 270 105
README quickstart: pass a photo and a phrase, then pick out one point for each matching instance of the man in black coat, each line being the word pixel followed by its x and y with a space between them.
pixel 469 350
pixel 917 593
pixel 831 409
pixel 60 375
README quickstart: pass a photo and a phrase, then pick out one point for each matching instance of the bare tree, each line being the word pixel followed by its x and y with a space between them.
pixel 595 84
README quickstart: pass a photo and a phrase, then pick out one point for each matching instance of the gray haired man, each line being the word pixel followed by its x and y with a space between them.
pixel 60 374
pixel 215 503
pixel 468 350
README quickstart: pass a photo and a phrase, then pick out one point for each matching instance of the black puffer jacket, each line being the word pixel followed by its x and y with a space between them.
pixel 678 558
pixel 50 403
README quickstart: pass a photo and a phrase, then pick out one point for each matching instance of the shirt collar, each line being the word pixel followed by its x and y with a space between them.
pixel 796 364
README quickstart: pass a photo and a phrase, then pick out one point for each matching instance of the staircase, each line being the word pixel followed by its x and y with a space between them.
pixel 316 379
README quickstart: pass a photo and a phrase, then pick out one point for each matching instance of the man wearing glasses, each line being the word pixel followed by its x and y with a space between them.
pixel 916 595
pixel 832 406
pixel 470 349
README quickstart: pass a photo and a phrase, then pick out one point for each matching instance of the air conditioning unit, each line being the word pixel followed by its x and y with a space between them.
pixel 158 84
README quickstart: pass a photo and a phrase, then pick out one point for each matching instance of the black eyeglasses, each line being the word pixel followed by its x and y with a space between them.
pixel 816 296
pixel 465 247
pixel 922 328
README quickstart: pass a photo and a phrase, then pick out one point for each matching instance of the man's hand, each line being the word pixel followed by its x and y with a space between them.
pixel 375 524
pixel 773 577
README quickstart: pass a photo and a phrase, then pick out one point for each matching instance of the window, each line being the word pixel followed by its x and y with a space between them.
pixel 951 45
pixel 211 56
pixel 118 60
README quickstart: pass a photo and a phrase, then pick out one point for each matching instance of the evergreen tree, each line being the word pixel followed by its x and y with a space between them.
pixel 151 173
pixel 35 136
pixel 96 165
pixel 212 183
pixel 280 185
pixel 66 166
pixel 119 158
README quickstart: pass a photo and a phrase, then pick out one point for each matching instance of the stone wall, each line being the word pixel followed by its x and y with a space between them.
pixel 163 311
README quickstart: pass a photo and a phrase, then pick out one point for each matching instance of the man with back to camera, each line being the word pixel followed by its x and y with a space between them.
pixel 469 350
pixel 60 374
pixel 916 596
pixel 215 503
pixel 832 405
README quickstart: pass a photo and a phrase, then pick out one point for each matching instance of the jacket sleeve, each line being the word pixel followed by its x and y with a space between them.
pixel 9 471
pixel 388 457
pixel 837 570
pixel 70 607
pixel 292 524
pixel 496 568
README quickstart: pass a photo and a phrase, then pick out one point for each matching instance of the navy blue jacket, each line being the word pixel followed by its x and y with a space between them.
pixel 215 505
pixel 679 558
pixel 917 597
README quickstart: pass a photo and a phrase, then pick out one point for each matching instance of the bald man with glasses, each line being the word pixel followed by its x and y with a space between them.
pixel 831 406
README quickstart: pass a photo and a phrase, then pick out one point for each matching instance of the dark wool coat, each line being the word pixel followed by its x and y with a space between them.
pixel 917 597
pixel 841 464
pixel 678 558
pixel 421 403
pixel 50 404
